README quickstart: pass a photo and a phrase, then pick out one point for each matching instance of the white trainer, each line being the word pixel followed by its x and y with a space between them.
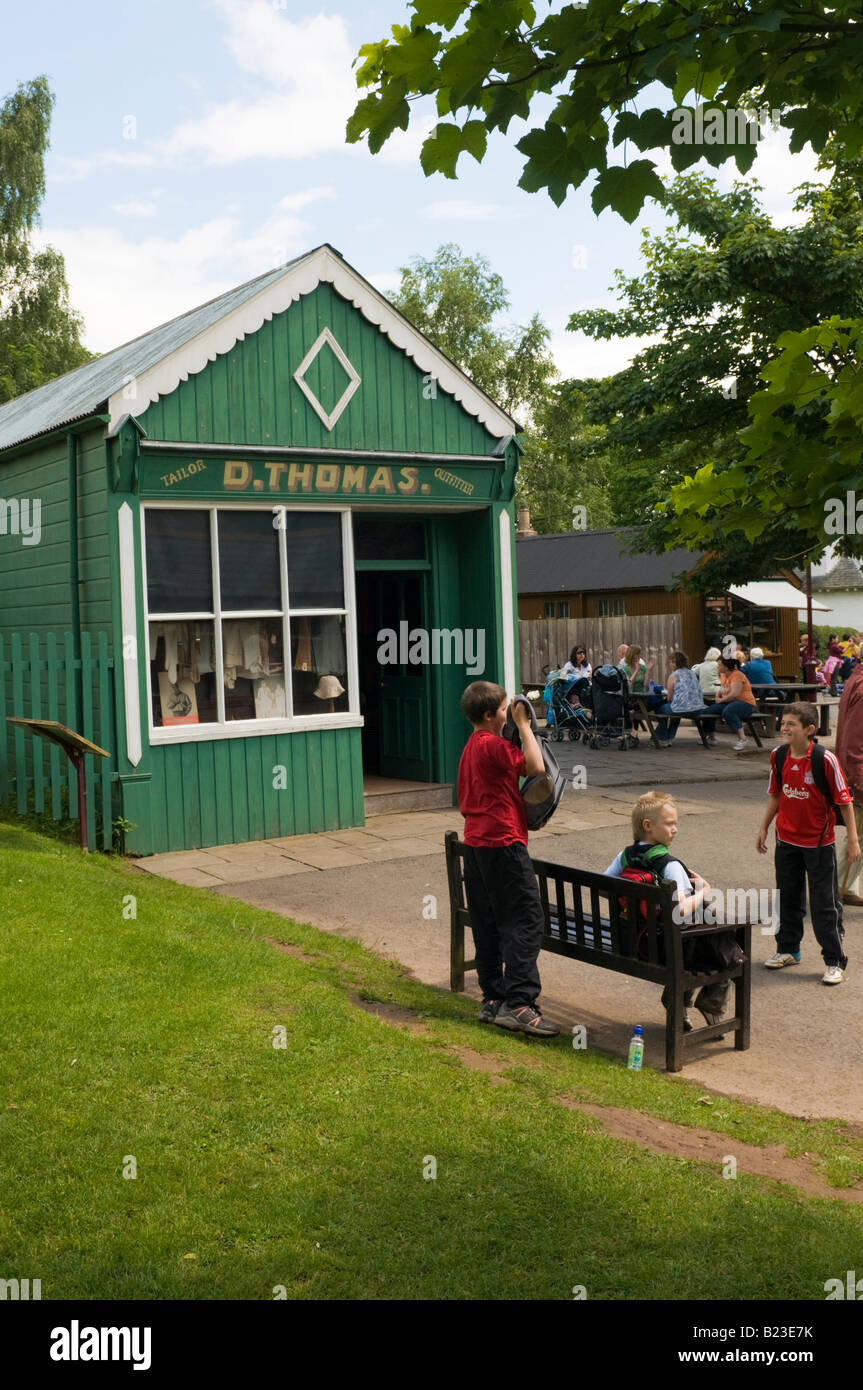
pixel 833 975
pixel 741 743
pixel 780 958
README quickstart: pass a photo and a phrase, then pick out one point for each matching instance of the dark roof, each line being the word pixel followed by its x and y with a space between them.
pixel 845 574
pixel 592 562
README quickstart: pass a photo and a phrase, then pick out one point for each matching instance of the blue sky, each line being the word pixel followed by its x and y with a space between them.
pixel 198 143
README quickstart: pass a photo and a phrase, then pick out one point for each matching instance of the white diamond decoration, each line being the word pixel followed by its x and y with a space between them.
pixel 329 418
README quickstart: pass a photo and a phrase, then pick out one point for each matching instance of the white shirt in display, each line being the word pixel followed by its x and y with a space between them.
pixel 673 870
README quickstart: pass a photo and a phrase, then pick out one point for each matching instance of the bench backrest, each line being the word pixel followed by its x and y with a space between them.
pixel 587 915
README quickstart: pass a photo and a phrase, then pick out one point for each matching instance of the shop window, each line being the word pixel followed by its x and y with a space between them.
pixel 178 561
pixel 217 642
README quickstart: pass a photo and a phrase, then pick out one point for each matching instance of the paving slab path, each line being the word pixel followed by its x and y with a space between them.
pixel 378 885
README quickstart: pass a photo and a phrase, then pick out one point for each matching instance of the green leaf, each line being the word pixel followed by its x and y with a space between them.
pixel 626 189
pixel 649 131
pixel 413 54
pixel 446 13
pixel 441 150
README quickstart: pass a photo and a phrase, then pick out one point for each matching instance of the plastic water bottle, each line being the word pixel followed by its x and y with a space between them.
pixel 636 1049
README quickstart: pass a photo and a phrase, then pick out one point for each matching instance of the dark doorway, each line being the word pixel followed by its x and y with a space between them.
pixel 395 694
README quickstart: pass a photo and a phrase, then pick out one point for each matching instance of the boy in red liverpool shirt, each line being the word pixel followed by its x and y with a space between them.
pixel 500 885
pixel 805 844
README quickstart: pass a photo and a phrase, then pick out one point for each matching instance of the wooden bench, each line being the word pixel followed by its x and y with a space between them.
pixel 645 715
pixel 584 919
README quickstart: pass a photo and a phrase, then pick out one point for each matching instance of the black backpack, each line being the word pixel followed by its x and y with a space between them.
pixel 819 777
pixel 719 951
pixel 541 794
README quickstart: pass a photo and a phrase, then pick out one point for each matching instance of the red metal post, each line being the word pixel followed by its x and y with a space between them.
pixel 77 757
pixel 809 668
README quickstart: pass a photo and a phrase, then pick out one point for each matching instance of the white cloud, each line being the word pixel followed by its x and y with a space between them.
pixel 134 208
pixel 306 64
pixel 293 202
pixel 576 355
pixel 386 282
pixel 66 168
pixel 462 210
pixel 305 90
pixel 125 286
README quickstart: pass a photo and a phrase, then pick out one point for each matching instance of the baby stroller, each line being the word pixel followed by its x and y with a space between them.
pixel 561 717
pixel 610 709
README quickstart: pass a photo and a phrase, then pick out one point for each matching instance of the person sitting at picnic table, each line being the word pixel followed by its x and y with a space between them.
pixel 578 671
pixel 759 671
pixel 634 669
pixel 707 672
pixel 736 698
pixel 683 697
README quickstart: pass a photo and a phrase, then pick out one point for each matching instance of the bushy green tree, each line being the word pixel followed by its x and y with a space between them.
pixel 456 300
pixel 718 291
pixel 578 74
pixel 39 331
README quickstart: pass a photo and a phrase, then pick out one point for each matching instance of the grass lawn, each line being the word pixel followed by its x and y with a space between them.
pixel 152 1039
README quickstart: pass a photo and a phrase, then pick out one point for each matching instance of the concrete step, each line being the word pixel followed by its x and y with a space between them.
pixel 424 796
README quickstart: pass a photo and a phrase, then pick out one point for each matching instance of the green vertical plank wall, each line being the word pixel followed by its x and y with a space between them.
pixel 34 579
pixel 249 396
pixel 233 790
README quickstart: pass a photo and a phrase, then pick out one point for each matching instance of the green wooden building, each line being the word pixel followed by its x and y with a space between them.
pixel 243 500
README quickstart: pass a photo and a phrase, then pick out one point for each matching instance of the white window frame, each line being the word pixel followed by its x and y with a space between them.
pixel 250 728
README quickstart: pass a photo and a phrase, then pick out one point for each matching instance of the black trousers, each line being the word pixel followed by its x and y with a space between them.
pixel 507 920
pixel 793 867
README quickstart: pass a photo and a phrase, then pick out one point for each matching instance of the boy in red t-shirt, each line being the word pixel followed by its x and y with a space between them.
pixel 500 885
pixel 805 845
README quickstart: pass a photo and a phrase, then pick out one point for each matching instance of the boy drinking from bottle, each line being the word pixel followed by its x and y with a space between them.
pixel 500 885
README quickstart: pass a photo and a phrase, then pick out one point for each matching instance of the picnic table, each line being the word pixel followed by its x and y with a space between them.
pixel 642 711
pixel 793 690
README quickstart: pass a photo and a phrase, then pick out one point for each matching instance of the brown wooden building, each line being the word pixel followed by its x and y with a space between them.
pixel 591 574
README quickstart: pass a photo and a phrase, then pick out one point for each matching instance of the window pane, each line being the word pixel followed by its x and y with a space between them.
pixel 319 665
pixel 314 559
pixel 182 673
pixel 254 668
pixel 249 561
pixel 179 574
pixel 388 538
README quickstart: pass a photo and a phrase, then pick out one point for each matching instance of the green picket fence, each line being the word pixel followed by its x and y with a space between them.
pixel 41 680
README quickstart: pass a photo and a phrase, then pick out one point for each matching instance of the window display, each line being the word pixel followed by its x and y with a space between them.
pixel 217 640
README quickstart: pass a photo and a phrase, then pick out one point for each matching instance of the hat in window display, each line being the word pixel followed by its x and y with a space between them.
pixel 329 688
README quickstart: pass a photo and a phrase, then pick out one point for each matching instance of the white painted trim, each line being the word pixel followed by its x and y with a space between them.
pixel 250 728
pixel 128 620
pixel 507 611
pixel 329 418
pixel 290 723
pixel 298 280
pixel 351 633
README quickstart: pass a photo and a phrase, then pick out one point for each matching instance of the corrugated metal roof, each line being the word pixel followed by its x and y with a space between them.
pixel 593 562
pixel 86 389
